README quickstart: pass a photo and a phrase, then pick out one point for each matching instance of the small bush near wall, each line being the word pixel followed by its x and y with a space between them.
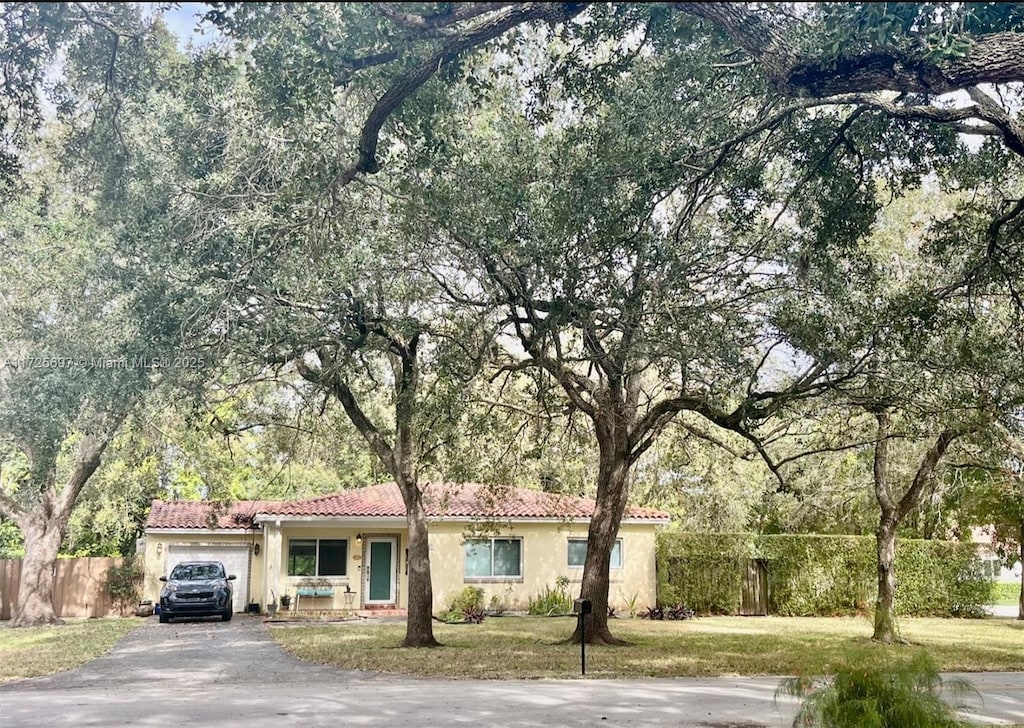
pixel 466 606
pixel 124 582
pixel 552 602
pixel 812 575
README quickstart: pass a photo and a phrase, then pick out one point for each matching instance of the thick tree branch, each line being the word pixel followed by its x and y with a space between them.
pixel 925 471
pixel 90 454
pixel 10 508
pixel 408 83
pixel 990 111
pixel 880 465
pixel 340 389
pixel 990 58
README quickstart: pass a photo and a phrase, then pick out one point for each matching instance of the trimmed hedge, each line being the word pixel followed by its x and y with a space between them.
pixel 814 575
pixel 1006 592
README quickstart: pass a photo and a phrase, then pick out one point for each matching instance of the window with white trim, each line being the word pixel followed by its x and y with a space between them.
pixel 494 558
pixel 578 553
pixel 317 557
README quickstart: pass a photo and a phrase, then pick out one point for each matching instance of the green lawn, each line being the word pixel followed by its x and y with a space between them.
pixel 527 647
pixel 36 651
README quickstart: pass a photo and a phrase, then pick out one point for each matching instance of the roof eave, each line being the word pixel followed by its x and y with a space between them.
pixel 196 529
pixel 395 520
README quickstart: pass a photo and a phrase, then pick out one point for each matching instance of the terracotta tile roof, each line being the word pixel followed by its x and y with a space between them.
pixel 199 514
pixel 452 500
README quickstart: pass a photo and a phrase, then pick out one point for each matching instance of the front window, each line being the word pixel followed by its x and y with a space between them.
pixel 578 553
pixel 494 558
pixel 317 557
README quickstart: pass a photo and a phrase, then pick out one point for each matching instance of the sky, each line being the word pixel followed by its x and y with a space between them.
pixel 182 22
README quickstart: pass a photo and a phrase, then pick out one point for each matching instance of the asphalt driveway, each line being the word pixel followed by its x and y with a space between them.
pixel 233 674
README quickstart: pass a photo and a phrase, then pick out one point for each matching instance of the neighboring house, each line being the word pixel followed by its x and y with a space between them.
pixel 348 550
pixel 990 561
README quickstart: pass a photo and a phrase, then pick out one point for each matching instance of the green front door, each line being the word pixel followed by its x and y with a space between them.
pixel 381 587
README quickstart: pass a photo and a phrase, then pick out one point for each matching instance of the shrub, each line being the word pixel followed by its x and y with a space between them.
pixel 1004 592
pixel 631 605
pixel 673 612
pixel 466 606
pixel 679 612
pixel 867 692
pixel 123 582
pixel 653 613
pixel 552 601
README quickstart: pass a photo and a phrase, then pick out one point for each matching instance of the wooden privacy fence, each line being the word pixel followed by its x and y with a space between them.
pixel 79 587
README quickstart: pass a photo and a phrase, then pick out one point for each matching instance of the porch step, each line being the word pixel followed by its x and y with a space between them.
pixel 372 612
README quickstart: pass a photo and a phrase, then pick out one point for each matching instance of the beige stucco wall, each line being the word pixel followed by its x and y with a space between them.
pixel 544 554
pixel 545 558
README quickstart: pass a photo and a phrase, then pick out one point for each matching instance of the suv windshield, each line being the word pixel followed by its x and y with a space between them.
pixel 197 572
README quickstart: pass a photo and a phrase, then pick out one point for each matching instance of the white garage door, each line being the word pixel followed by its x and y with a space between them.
pixel 234 558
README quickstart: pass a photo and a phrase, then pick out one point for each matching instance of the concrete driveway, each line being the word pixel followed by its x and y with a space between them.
pixel 233 674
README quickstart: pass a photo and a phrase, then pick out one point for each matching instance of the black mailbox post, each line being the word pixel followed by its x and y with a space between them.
pixel 582 607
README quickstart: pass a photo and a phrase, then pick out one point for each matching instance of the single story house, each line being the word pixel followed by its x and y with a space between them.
pixel 348 550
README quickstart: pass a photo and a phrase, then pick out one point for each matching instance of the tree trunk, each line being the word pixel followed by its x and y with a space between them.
pixel 612 493
pixel 1020 601
pixel 35 592
pixel 43 528
pixel 894 511
pixel 885 605
pixel 400 459
pixel 419 626
pixel 885 536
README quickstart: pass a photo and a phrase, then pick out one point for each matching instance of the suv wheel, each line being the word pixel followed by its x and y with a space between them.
pixel 226 616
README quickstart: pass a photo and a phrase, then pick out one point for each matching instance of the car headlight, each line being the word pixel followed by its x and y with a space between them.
pixel 170 588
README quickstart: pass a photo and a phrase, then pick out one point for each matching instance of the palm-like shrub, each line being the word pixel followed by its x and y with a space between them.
pixel 878 691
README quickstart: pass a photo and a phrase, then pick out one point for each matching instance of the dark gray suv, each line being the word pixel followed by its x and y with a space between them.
pixel 196 589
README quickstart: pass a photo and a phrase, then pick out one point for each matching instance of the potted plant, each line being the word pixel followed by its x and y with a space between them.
pixel 286 601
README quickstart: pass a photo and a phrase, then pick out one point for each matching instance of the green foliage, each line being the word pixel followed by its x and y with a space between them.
pixel 939 578
pixel 934 31
pixel 865 693
pixel 705 572
pixel 466 606
pixel 124 581
pixel 1004 593
pixel 632 604
pixel 812 575
pixel 674 612
pixel 12 543
pixel 551 602
pixel 820 575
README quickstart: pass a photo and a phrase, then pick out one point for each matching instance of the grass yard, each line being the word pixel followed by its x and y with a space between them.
pixel 36 651
pixel 527 647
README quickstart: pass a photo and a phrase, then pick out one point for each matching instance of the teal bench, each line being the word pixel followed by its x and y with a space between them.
pixel 313 588
pixel 315 592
